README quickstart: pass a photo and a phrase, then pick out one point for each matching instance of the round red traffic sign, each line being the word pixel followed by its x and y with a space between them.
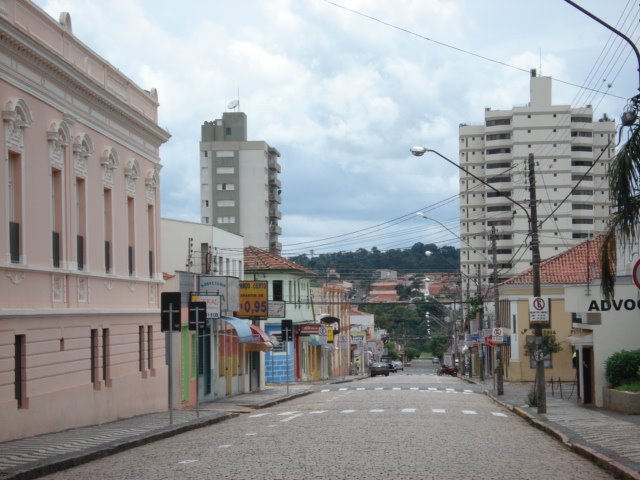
pixel 636 273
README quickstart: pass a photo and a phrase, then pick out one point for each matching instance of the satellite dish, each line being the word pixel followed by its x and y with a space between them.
pixel 233 104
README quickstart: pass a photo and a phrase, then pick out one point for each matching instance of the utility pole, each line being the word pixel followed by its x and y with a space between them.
pixel 480 325
pixel 498 370
pixel 541 394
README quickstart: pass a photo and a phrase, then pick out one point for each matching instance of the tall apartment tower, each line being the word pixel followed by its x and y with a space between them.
pixel 571 150
pixel 239 184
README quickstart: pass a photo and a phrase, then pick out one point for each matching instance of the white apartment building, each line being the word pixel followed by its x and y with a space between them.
pixel 571 150
pixel 239 184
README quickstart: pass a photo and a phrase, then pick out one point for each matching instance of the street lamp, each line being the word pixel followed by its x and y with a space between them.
pixel 532 217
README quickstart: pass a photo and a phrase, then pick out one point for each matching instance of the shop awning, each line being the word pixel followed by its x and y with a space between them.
pixel 260 342
pixel 579 339
pixel 253 337
pixel 242 328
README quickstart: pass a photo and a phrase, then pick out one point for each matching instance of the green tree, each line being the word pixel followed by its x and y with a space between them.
pixel 411 353
pixel 438 345
pixel 624 182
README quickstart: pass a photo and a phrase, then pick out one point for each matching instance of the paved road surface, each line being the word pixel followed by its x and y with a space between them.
pixel 411 425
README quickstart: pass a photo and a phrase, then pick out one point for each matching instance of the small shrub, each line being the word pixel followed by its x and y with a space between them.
pixel 630 387
pixel 622 367
pixel 532 397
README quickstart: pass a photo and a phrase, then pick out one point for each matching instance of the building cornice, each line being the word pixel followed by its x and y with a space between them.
pixel 51 64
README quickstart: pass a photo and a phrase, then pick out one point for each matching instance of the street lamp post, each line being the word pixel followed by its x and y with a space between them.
pixel 535 261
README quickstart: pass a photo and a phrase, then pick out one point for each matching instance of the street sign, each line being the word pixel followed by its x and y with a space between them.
pixel 197 315
pixel 253 300
pixel 170 311
pixel 497 332
pixel 538 310
pixel 636 273
pixel 287 330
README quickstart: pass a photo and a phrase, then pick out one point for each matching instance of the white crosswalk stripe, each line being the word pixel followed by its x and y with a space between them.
pixel 498 414
pixel 469 412
pixel 438 410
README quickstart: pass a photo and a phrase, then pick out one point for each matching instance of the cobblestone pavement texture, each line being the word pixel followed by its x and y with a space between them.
pixel 606 438
pixel 375 429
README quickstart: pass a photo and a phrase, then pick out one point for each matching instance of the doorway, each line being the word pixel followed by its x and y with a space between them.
pixel 587 374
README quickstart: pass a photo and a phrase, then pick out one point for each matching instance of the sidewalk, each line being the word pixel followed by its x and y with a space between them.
pixel 609 439
pixel 43 454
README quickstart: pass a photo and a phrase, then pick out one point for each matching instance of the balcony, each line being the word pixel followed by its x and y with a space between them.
pixel 274 212
pixel 273 163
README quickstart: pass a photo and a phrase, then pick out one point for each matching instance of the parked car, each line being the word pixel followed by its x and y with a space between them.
pixel 379 368
pixel 397 365
pixel 435 360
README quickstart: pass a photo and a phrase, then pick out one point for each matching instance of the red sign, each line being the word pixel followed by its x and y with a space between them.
pixel 636 273
pixel 311 329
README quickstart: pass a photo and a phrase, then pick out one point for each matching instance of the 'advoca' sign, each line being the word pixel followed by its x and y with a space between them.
pixel 617 305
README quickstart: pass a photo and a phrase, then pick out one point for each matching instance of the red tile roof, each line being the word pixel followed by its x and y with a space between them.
pixel 574 266
pixel 257 259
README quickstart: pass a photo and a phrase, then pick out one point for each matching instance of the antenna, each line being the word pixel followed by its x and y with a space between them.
pixel 233 104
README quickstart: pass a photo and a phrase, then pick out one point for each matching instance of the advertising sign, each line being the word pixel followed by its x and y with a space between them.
pixel 213 302
pixel 226 287
pixel 253 300
pixel 276 309
pixel 635 274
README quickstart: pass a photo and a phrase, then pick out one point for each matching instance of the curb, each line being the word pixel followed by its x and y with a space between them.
pixel 113 448
pixel 604 462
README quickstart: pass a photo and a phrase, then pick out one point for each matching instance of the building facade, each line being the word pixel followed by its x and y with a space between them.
pixel 80 339
pixel 571 151
pixel 240 188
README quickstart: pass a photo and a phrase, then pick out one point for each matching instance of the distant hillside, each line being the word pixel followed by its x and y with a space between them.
pixel 362 263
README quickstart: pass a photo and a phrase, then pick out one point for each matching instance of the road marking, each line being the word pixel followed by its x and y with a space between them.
pixel 343 389
pixel 376 410
pixel 438 410
pixel 258 415
pixel 188 461
pixel 347 411
pixel 450 390
pixel 379 388
pixel 433 389
pixel 250 434
pixel 360 388
pixel 288 419
pixel 408 410
pixel 325 390
pixel 396 388
pixel 498 414
pixel 287 413
pixel 224 446
pixel 469 412
pixel 317 412
pixel 414 388
pixel 468 391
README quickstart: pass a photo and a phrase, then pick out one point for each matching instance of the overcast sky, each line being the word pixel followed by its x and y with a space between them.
pixel 344 95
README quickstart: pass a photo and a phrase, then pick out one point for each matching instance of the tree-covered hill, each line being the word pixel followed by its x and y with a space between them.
pixel 362 263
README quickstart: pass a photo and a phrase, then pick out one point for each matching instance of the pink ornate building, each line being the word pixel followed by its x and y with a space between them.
pixel 80 339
